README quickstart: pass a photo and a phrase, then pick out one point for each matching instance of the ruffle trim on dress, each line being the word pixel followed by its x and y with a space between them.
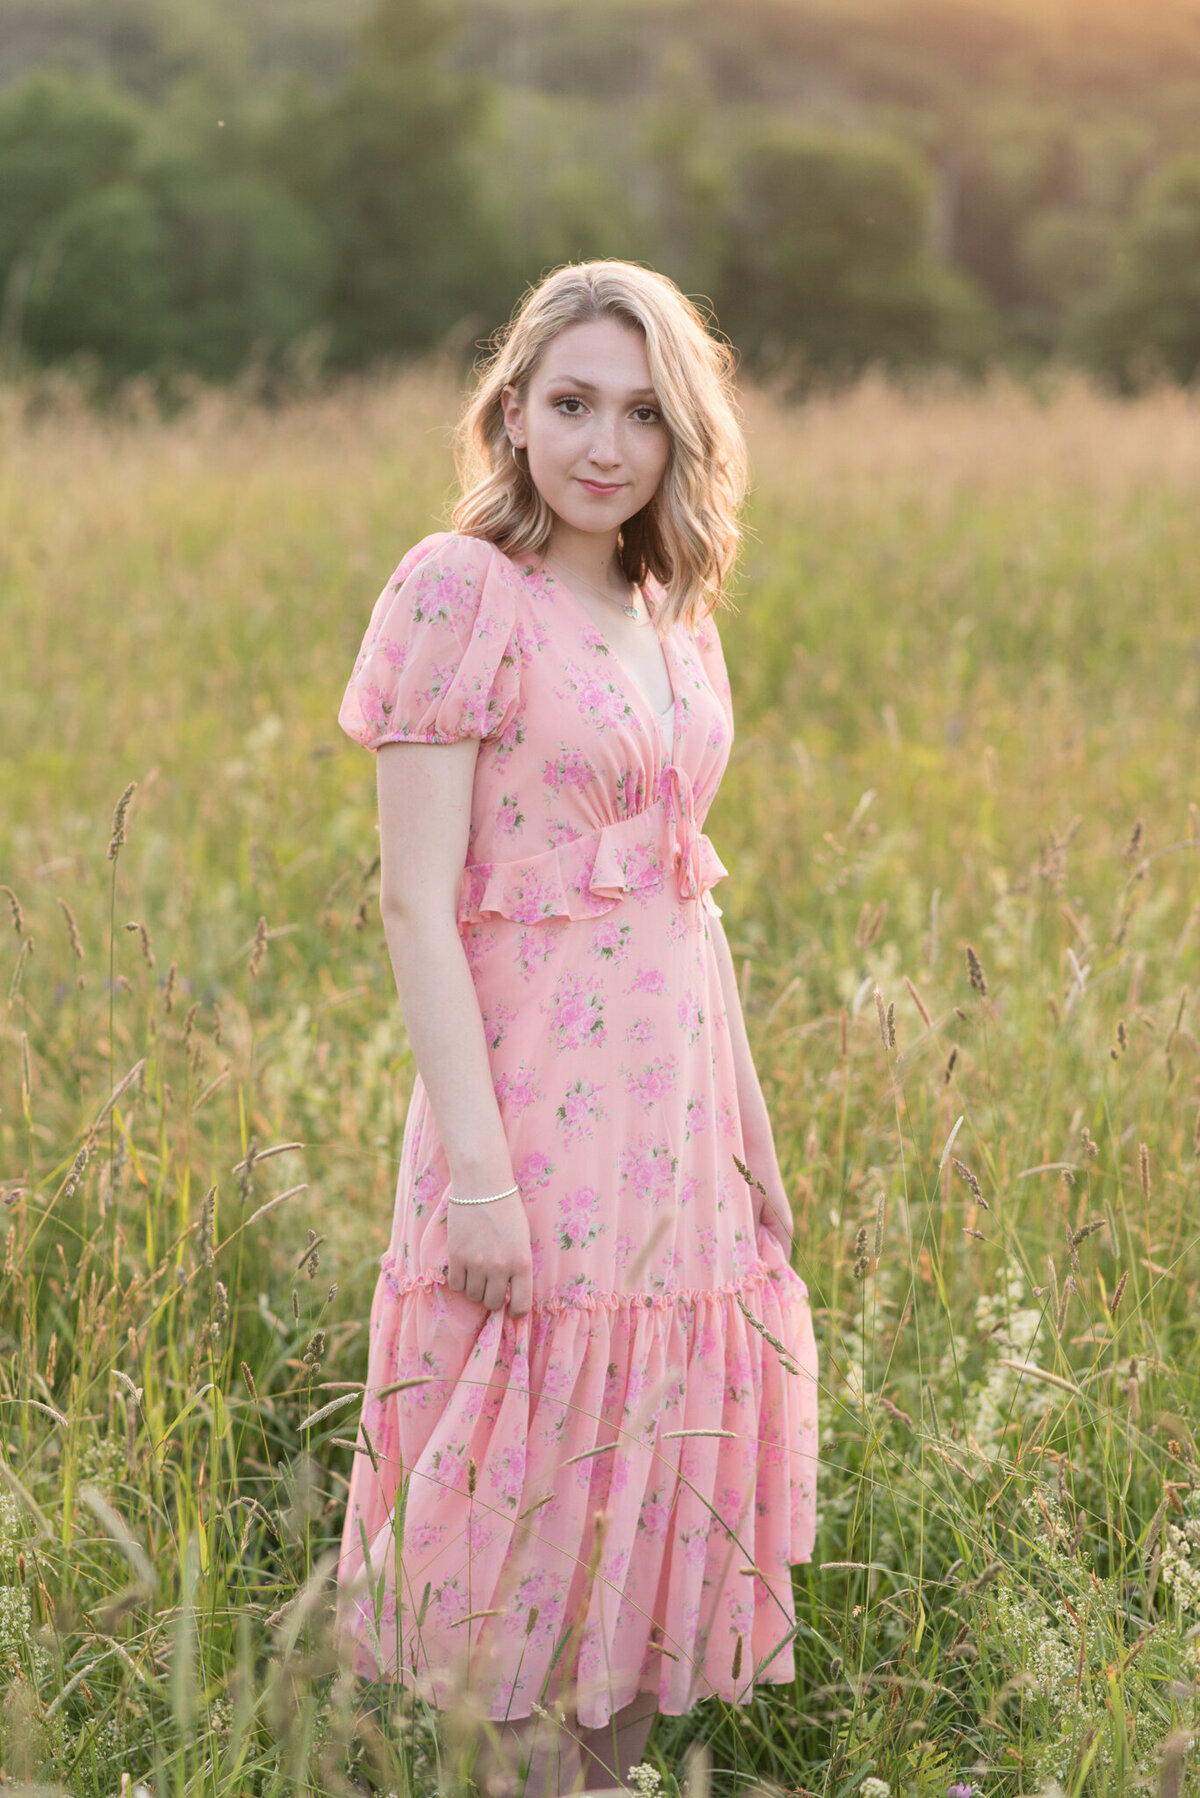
pixel 401 1285
pixel 589 875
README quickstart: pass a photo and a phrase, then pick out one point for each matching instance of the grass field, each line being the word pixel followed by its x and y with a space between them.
pixel 966 656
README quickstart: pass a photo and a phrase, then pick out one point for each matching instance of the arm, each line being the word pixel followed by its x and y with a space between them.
pixel 775 1211
pixel 424 818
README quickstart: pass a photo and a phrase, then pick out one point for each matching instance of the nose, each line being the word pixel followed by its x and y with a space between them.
pixel 605 448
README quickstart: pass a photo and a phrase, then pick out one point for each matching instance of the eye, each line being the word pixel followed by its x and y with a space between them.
pixel 647 415
pixel 569 399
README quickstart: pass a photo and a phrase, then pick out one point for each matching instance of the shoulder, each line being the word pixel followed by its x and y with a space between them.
pixel 449 578
pixel 443 552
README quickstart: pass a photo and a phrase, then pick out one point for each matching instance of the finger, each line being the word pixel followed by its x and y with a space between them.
pixel 494 1295
pixel 522 1294
pixel 456 1276
pixel 475 1286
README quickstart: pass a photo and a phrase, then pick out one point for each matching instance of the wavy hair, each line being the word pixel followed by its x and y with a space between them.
pixel 687 536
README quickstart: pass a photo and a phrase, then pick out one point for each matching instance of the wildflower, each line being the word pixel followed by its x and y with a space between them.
pixel 875 1788
pixel 961 1789
pixel 645 1780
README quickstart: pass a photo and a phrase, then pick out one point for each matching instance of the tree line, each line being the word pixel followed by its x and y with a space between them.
pixel 846 184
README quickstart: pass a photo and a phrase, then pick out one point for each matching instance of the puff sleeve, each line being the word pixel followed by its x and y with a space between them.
pixel 437 662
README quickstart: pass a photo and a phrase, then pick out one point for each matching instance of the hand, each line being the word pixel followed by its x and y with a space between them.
pixel 489 1249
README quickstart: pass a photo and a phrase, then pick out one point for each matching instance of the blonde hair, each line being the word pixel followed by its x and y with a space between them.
pixel 687 536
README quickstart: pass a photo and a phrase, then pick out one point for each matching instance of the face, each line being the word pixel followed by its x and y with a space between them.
pixel 591 423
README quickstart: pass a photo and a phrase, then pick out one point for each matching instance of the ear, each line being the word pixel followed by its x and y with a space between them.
pixel 514 415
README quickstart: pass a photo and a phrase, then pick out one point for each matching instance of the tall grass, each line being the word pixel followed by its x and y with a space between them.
pixel 967 668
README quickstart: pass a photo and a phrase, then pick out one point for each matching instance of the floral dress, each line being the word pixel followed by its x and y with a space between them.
pixel 603 1497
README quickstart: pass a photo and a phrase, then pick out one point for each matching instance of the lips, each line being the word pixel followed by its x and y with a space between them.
pixel 601 486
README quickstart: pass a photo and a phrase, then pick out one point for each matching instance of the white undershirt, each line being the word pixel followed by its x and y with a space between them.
pixel 667 720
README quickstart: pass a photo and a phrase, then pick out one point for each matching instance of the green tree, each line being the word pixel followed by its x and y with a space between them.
pixel 248 267
pixel 825 258
pixel 1149 314
pixel 385 165
pixel 62 140
pixel 100 282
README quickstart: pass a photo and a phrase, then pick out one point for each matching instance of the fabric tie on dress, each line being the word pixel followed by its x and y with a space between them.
pixel 681 808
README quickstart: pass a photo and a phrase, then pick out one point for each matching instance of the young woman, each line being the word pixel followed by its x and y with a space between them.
pixel 585 1499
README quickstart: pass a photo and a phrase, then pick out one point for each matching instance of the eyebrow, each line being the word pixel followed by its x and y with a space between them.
pixel 640 393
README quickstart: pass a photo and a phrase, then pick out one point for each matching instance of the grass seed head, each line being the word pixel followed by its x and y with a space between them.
pixel 23 954
pixel 1119 1294
pixel 72 929
pixel 883 1029
pixel 891 1025
pixel 922 1009
pixel 204 1243
pixel 259 949
pixel 117 840
pixel 975 973
pixel 144 939
pixel 964 1173
pixel 1144 1170
pixel 948 1076
pixel 1135 841
pixel 14 907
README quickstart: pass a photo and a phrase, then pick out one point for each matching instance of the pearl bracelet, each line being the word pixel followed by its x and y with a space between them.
pixel 491 1197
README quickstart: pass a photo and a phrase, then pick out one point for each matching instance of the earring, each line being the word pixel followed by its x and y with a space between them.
pixel 512 446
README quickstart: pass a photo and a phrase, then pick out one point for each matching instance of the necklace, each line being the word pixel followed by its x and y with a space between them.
pixel 630 609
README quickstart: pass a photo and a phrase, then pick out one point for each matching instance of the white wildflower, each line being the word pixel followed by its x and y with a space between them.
pixel 875 1788
pixel 645 1779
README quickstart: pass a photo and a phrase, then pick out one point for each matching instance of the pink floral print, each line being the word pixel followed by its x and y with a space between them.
pixel 577 1492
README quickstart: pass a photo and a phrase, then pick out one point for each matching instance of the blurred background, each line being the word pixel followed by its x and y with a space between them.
pixel 202 186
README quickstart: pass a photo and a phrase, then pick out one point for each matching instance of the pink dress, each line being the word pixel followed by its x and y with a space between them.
pixel 604 1496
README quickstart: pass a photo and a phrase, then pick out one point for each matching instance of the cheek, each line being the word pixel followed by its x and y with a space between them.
pixel 652 460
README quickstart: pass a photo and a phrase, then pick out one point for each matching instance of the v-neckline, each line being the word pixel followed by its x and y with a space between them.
pixel 630 679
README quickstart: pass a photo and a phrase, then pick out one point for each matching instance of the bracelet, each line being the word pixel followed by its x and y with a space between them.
pixel 491 1197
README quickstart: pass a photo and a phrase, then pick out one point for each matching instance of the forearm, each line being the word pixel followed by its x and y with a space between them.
pixel 757 1135
pixel 442 1017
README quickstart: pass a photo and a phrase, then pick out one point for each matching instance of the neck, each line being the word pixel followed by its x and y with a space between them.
pixel 590 555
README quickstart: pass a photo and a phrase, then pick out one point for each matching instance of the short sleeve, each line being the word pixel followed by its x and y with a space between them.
pixel 438 662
